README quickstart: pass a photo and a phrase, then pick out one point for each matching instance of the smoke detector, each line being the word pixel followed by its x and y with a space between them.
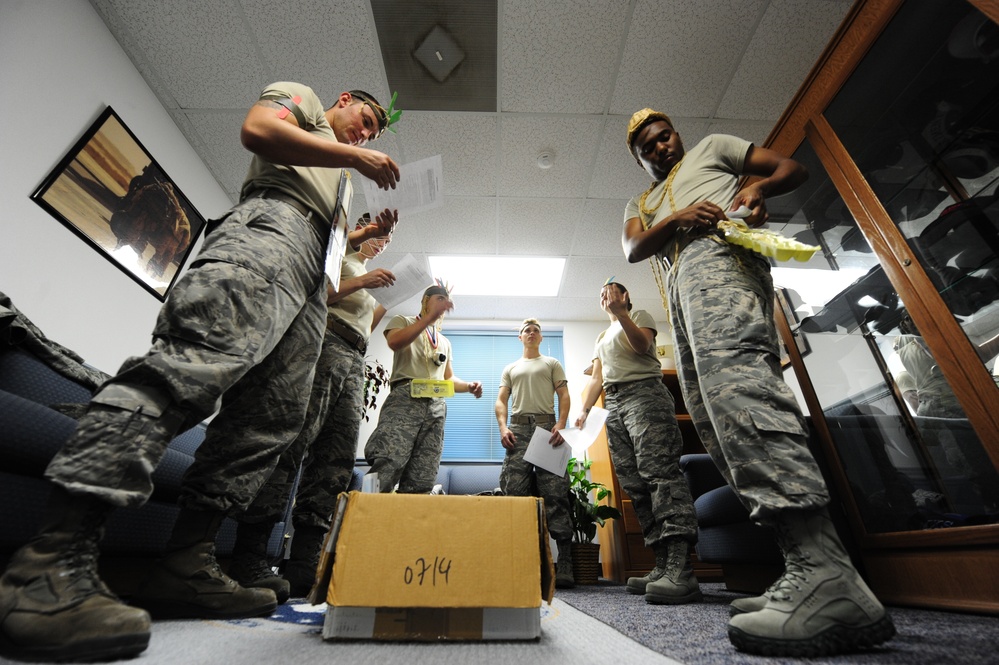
pixel 546 159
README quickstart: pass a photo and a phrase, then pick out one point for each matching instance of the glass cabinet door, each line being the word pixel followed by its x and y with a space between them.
pixel 920 119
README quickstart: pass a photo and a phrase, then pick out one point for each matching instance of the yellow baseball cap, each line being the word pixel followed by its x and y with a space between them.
pixel 642 118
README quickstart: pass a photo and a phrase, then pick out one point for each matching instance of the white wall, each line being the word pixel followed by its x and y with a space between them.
pixel 59 68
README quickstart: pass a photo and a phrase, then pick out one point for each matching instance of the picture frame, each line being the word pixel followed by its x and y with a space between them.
pixel 110 191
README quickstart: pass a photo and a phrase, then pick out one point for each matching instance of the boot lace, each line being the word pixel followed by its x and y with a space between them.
pixel 80 560
pixel 251 568
pixel 797 566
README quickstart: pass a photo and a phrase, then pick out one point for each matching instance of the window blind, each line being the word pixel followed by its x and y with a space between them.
pixel 470 431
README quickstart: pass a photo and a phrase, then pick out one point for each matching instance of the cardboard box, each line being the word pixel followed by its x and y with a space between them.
pixel 418 567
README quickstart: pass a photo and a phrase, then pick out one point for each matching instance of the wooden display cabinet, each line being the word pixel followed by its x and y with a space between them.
pixel 623 553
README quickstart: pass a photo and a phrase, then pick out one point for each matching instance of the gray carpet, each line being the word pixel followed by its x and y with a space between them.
pixel 697 634
pixel 293 637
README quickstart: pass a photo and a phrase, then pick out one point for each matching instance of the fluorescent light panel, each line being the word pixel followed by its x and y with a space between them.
pixel 499 275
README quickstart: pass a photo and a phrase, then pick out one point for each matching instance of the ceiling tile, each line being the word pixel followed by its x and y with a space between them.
pixel 524 137
pixel 462 225
pixel 402 27
pixel 680 55
pixel 225 155
pixel 598 232
pixel 784 47
pixel 534 227
pixel 748 129
pixel 571 46
pixel 201 51
pixel 467 143
pixel 333 65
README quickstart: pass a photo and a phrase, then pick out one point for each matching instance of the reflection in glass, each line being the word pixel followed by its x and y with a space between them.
pixel 920 117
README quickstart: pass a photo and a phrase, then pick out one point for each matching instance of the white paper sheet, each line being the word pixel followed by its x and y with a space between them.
pixel 581 439
pixel 543 454
pixel 418 189
pixel 410 278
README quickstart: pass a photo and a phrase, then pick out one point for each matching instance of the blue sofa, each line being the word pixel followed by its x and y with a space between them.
pixel 453 477
pixel 746 551
pixel 34 431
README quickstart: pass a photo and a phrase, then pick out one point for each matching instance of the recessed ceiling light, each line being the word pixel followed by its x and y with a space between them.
pixel 499 275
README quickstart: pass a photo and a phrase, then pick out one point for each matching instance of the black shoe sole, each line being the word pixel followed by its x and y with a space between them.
pixel 836 640
pixel 89 651
pixel 170 609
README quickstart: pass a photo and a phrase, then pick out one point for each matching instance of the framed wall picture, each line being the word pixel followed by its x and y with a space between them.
pixel 110 192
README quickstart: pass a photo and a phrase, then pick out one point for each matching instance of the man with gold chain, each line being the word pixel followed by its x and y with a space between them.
pixel 405 448
pixel 721 304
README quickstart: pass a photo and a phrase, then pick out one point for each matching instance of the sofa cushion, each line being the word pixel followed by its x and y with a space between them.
pixel 741 543
pixel 24 374
pixel 32 434
pixel 472 478
pixel 719 507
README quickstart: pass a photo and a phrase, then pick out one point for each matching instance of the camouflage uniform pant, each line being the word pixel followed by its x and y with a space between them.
pixel 407 443
pixel 645 447
pixel 326 447
pixel 243 324
pixel 722 303
pixel 520 478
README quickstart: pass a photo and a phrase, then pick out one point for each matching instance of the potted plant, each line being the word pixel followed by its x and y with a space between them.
pixel 586 513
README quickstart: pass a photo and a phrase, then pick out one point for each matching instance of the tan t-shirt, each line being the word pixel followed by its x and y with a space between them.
pixel 356 310
pixel 416 361
pixel 532 382
pixel 710 171
pixel 313 185
pixel 619 362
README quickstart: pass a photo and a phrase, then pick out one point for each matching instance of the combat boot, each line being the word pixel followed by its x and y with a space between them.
pixel 754 603
pixel 53 604
pixel 187 582
pixel 820 606
pixel 306 544
pixel 677 585
pixel 564 578
pixel 250 567
pixel 637 584
pixel 751 604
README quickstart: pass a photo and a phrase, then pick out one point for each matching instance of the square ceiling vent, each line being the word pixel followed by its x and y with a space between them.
pixel 439 53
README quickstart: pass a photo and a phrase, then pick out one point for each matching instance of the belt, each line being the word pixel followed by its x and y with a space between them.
pixel 398 383
pixel 347 334
pixel 532 419
pixel 612 388
pixel 277 195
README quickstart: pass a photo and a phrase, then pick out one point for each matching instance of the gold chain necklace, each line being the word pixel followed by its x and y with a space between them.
pixel 667 191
